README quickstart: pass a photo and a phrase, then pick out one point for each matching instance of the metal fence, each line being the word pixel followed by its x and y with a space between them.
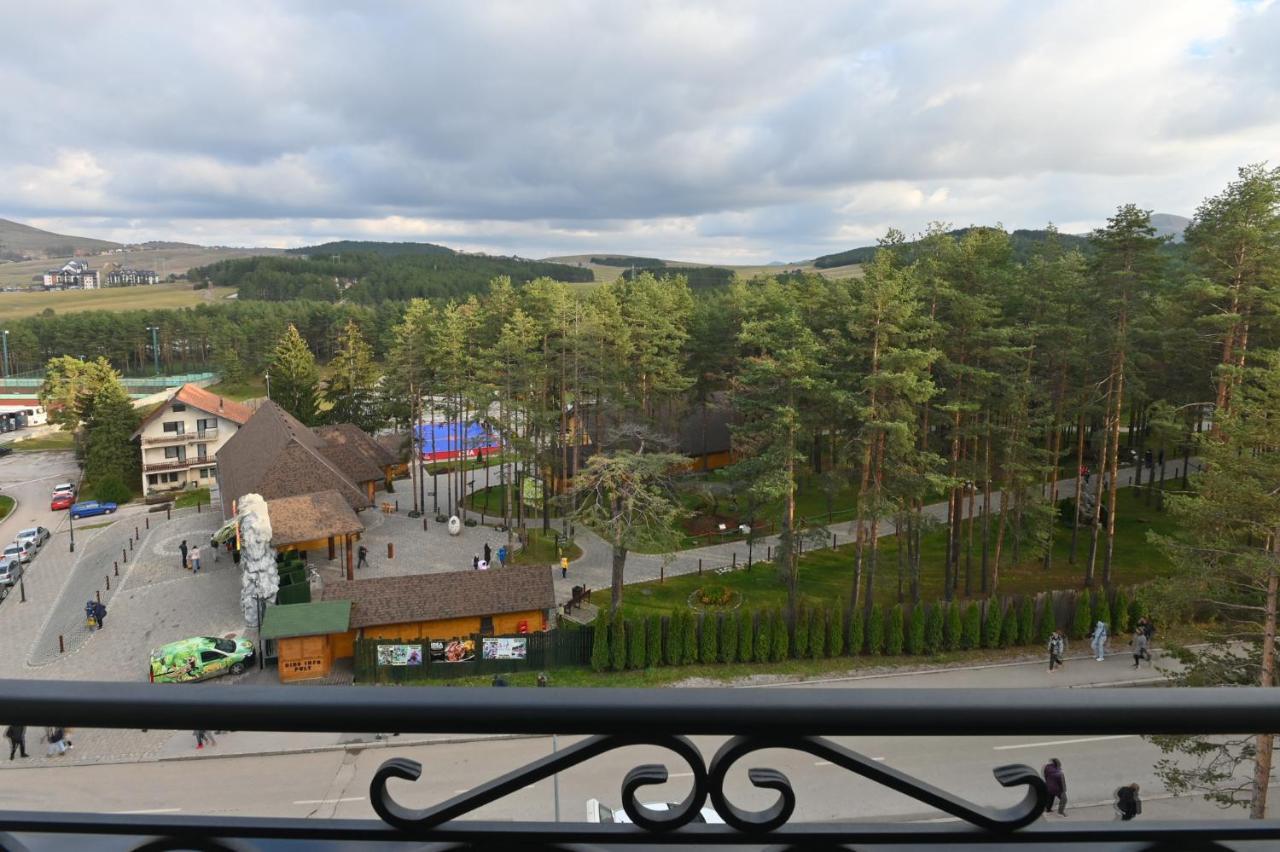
pixel 542 651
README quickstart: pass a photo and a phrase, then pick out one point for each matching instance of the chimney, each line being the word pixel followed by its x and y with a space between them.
pixel 219 403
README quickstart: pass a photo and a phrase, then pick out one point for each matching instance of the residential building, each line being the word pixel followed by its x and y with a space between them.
pixel 75 275
pixel 276 456
pixel 181 438
pixel 129 276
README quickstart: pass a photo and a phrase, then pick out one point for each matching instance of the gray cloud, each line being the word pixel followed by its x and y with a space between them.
pixel 732 131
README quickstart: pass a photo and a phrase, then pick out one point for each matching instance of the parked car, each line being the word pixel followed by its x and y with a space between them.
pixel 600 812
pixel 61 500
pixel 36 535
pixel 89 508
pixel 10 570
pixel 20 551
pixel 5 450
pixel 200 658
pixel 65 488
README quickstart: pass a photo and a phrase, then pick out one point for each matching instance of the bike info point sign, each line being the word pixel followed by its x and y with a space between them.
pixel 505 649
pixel 399 655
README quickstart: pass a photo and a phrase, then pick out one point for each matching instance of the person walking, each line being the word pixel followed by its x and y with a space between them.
pixel 182 548
pixel 1099 637
pixel 99 613
pixel 90 620
pixel 17 737
pixel 57 740
pixel 1057 647
pixel 488 554
pixel 1128 803
pixel 195 559
pixel 564 567
pixel 502 556
pixel 203 736
pixel 1140 644
pixel 363 553
pixel 475 562
pixel 1055 780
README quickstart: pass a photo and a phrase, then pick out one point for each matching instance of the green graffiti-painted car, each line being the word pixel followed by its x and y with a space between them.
pixel 200 658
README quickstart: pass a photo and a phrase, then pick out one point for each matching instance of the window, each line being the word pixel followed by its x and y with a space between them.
pixel 177 427
pixel 152 479
pixel 210 656
pixel 206 472
pixel 178 406
pixel 202 451
pixel 486 625
pixel 204 424
pixel 178 453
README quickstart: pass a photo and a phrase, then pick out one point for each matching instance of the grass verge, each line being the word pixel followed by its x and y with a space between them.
pixel 188 499
pixel 6 506
pixel 60 440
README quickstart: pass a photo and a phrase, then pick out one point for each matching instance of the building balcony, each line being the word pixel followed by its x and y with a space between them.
pixel 183 437
pixel 176 464
pixel 759 808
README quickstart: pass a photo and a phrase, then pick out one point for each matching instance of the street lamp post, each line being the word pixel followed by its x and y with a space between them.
pixel 267 375
pixel 6 353
pixel 155 346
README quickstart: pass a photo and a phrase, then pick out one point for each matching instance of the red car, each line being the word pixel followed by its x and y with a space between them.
pixel 61 501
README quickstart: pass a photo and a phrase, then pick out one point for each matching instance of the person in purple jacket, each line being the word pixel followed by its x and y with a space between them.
pixel 1056 780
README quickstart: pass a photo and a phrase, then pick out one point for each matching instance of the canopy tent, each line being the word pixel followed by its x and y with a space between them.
pixel 439 441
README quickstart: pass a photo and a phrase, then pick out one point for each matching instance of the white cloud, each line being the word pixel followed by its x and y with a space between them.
pixel 714 131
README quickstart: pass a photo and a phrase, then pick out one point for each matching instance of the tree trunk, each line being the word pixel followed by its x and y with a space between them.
pixel 1079 495
pixel 1096 526
pixel 1054 473
pixel 1115 472
pixel 1262 758
pixel 619 563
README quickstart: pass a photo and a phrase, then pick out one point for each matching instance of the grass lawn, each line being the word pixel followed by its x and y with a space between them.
pixel 191 498
pixel 471 464
pixel 6 506
pixel 826 575
pixel 60 440
pixel 251 388
pixel 540 549
pixel 179 295
pixel 492 500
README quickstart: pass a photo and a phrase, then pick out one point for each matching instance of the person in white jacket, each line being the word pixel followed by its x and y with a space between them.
pixel 1100 640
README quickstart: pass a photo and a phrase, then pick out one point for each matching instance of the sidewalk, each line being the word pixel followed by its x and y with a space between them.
pixel 182 744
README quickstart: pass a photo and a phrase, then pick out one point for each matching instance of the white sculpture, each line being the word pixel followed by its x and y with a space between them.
pixel 455 525
pixel 261 580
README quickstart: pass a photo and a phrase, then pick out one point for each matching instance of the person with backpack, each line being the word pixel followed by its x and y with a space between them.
pixel 1128 805
pixel 99 613
pixel 1057 647
pixel 363 553
pixel 1055 781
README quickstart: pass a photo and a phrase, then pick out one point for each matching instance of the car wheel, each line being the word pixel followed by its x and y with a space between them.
pixel 237 668
pixel 111 511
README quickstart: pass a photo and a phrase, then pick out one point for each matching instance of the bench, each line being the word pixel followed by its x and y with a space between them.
pixel 581 595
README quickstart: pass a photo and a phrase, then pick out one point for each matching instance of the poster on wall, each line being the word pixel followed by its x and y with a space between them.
pixel 399 655
pixel 505 649
pixel 453 650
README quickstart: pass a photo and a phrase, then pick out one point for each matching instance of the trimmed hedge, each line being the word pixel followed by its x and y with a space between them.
pixel 835 632
pixel 915 631
pixel 764 637
pixel 817 633
pixel 709 628
pixel 674 650
pixel 952 627
pixel 618 643
pixel 893 632
pixel 933 622
pixel 600 643
pixel 857 633
pixel 689 644
pixel 729 638
pixel 800 635
pixel 653 639
pixel 1026 621
pixel 971 627
pixel 778 640
pixel 637 643
pixel 875 630
pixel 992 624
pixel 746 637
pixel 1082 618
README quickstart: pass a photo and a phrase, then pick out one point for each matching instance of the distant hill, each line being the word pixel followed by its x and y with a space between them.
pixel 23 242
pixel 625 261
pixel 1170 225
pixel 1024 242
pixel 369 247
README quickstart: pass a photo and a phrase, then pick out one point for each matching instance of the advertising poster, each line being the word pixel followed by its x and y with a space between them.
pixel 506 649
pixel 399 655
pixel 453 651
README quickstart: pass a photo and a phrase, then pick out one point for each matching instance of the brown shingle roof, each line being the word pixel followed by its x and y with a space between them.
pixel 197 397
pixel 276 456
pixel 308 517
pixel 456 594
pixel 353 451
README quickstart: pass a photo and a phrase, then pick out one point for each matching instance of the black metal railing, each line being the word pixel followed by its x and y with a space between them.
pixel 800 720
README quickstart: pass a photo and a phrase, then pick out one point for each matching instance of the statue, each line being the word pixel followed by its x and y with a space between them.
pixel 261 580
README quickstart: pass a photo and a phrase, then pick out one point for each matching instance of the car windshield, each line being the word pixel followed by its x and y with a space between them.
pixel 13 548
pixel 226 646
pixel 27 534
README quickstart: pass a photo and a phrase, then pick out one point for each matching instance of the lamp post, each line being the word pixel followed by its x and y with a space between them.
pixel 6 353
pixel 155 346
pixel 267 375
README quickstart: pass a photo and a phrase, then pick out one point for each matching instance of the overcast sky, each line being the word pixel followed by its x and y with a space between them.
pixel 731 132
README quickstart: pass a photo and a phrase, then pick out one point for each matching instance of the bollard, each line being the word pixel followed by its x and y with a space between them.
pixel 148 520
pixel 108 576
pixel 117 568
pixel 197 507
pixel 61 648
pixel 124 556
pixel 130 545
pixel 135 533
pixel 833 541
pixel 167 515
pixel 735 560
pixel 424 524
pixel 768 553
pixel 97 593
pixel 391 550
pixel 699 567
pixel 397 504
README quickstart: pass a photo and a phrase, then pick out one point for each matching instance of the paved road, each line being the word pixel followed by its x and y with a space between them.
pixel 334 783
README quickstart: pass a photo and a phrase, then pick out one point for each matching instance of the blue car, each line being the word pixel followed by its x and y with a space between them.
pixel 89 508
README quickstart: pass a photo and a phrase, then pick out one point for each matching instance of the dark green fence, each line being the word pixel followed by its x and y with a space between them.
pixel 555 649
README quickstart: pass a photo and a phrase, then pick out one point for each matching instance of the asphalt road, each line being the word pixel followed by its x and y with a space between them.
pixel 29 479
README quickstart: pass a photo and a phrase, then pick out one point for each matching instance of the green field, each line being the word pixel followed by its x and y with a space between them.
pixel 826 575
pixel 6 506
pixel 59 440
pixel 180 295
pixel 252 388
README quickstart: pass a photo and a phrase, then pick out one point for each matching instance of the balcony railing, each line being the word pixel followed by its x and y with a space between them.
pixel 172 464
pixel 793 719
pixel 183 437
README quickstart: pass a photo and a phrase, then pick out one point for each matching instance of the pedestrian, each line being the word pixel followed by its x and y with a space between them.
pixel 488 554
pixel 182 548
pixel 57 740
pixel 195 559
pixel 1085 470
pixel 1140 644
pixel 475 562
pixel 89 620
pixel 99 613
pixel 1055 780
pixel 1057 647
pixel 1160 458
pixel 1099 637
pixel 1128 804
pixel 17 736
pixel 502 556
pixel 203 737
pixel 364 557
pixel 1148 627
pixel 1149 460
pixel 564 567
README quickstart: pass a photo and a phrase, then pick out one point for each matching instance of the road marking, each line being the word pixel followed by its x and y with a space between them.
pixel 1064 742
pixel 829 763
pixel 680 775
pixel 150 811
pixel 329 801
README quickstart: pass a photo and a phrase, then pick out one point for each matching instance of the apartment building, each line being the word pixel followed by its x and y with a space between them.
pixel 181 437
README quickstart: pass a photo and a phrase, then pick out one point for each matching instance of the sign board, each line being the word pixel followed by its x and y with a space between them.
pixel 453 651
pixel 399 655
pixel 505 649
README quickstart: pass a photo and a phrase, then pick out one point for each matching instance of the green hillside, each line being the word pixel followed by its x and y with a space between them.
pixel 1024 243
pixel 366 247
pixel 23 242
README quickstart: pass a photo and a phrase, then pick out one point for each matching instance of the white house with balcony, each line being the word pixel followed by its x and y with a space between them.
pixel 181 437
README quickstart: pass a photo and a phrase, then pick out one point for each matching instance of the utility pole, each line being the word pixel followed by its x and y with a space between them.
pixel 6 353
pixel 155 346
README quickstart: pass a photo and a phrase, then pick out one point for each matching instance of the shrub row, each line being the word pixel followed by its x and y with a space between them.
pixel 685 637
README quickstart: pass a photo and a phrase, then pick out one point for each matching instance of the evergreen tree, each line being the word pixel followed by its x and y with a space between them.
pixel 1120 614
pixel 111 452
pixel 1047 622
pixel 1082 619
pixel 1026 620
pixel 709 633
pixel 835 632
pixel 618 642
pixel 600 656
pixel 857 633
pixel 971 627
pixel 746 637
pixel 915 633
pixel 933 629
pixel 653 640
pixel 800 636
pixel 952 628
pixel 817 633
pixel 689 651
pixel 294 377
pixel 875 630
pixel 352 389
pixel 637 643
pixel 893 628
pixel 764 637
pixel 992 624
pixel 1009 627
pixel 675 639
pixel 728 638
pixel 778 642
